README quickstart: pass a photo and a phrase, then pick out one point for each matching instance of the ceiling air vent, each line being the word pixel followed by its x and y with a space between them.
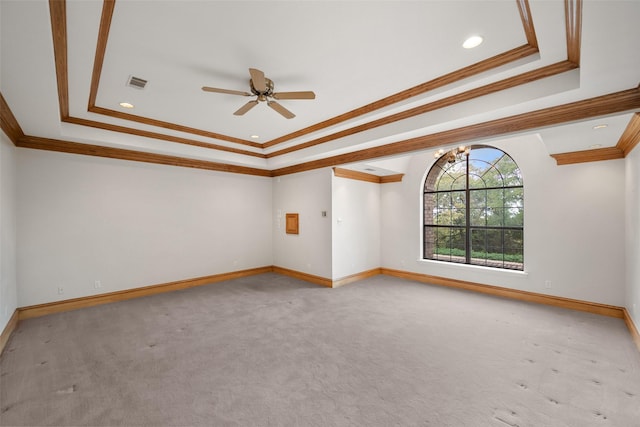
pixel 136 82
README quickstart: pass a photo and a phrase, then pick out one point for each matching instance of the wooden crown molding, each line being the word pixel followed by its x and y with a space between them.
pixel 363 176
pixel 106 17
pixel 8 122
pixel 573 25
pixel 527 23
pixel 58 14
pixel 463 73
pixel 48 144
pixel 593 107
pixel 573 15
pixel 159 136
pixel 595 155
pixel 599 106
pixel 524 78
pixel 101 47
pixel 515 54
pixel 171 126
pixel 631 135
pixel 57 9
pixel 627 142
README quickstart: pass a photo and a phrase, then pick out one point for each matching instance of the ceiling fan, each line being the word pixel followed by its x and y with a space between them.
pixel 262 87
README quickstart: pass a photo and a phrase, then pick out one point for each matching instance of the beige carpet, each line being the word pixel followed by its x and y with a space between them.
pixel 269 350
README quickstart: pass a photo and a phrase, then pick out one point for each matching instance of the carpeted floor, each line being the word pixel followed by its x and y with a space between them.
pixel 270 350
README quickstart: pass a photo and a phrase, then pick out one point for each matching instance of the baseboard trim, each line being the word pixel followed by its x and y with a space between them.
pixel 83 302
pixel 322 281
pixel 635 335
pixel 8 330
pixel 355 277
pixel 77 303
pixel 572 304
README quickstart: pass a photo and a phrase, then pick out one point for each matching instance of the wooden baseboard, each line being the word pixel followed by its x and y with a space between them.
pixel 323 281
pixel 8 330
pixel 304 276
pixel 572 304
pixel 83 302
pixel 635 335
pixel 355 277
pixel 76 303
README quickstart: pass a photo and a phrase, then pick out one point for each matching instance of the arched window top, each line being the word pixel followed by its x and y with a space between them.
pixel 488 167
pixel 474 209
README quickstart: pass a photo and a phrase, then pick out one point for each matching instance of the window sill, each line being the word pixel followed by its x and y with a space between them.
pixel 478 268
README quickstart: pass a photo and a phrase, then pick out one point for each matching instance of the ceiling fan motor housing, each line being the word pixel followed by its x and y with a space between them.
pixel 268 92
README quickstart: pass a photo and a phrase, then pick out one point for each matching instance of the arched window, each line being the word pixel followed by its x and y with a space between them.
pixel 474 209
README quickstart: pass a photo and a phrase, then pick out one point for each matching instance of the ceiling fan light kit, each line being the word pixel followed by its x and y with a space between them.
pixel 262 88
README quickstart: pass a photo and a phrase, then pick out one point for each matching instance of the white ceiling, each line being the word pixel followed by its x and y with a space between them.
pixel 350 53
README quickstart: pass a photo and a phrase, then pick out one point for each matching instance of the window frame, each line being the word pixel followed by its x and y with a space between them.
pixel 468 229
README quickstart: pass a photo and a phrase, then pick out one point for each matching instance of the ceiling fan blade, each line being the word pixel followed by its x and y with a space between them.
pixel 259 82
pixel 295 95
pixel 246 107
pixel 280 109
pixel 228 91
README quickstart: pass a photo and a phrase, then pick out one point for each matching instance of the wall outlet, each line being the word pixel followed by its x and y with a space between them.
pixel 97 284
pixel 547 284
pixel 60 290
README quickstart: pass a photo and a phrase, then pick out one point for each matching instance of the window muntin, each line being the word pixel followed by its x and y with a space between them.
pixel 474 210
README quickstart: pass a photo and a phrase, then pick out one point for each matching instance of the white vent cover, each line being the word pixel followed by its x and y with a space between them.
pixel 136 82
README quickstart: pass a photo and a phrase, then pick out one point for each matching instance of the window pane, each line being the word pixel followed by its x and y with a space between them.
pixel 495 209
pixel 493 178
pixel 478 246
pixel 513 243
pixel 514 217
pixel 510 171
pixel 443 216
pixel 495 198
pixel 444 200
pixel 478 198
pixel 514 202
pixel 476 181
pixel 478 217
pixel 445 243
pixel 495 217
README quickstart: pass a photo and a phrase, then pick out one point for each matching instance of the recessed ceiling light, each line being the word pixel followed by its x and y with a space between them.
pixel 472 42
pixel 602 126
pixel 126 105
pixel 595 146
pixel 255 136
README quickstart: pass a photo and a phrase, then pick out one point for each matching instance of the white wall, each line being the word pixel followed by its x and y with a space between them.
pixel 8 282
pixel 632 301
pixel 129 224
pixel 308 194
pixel 574 226
pixel 356 226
